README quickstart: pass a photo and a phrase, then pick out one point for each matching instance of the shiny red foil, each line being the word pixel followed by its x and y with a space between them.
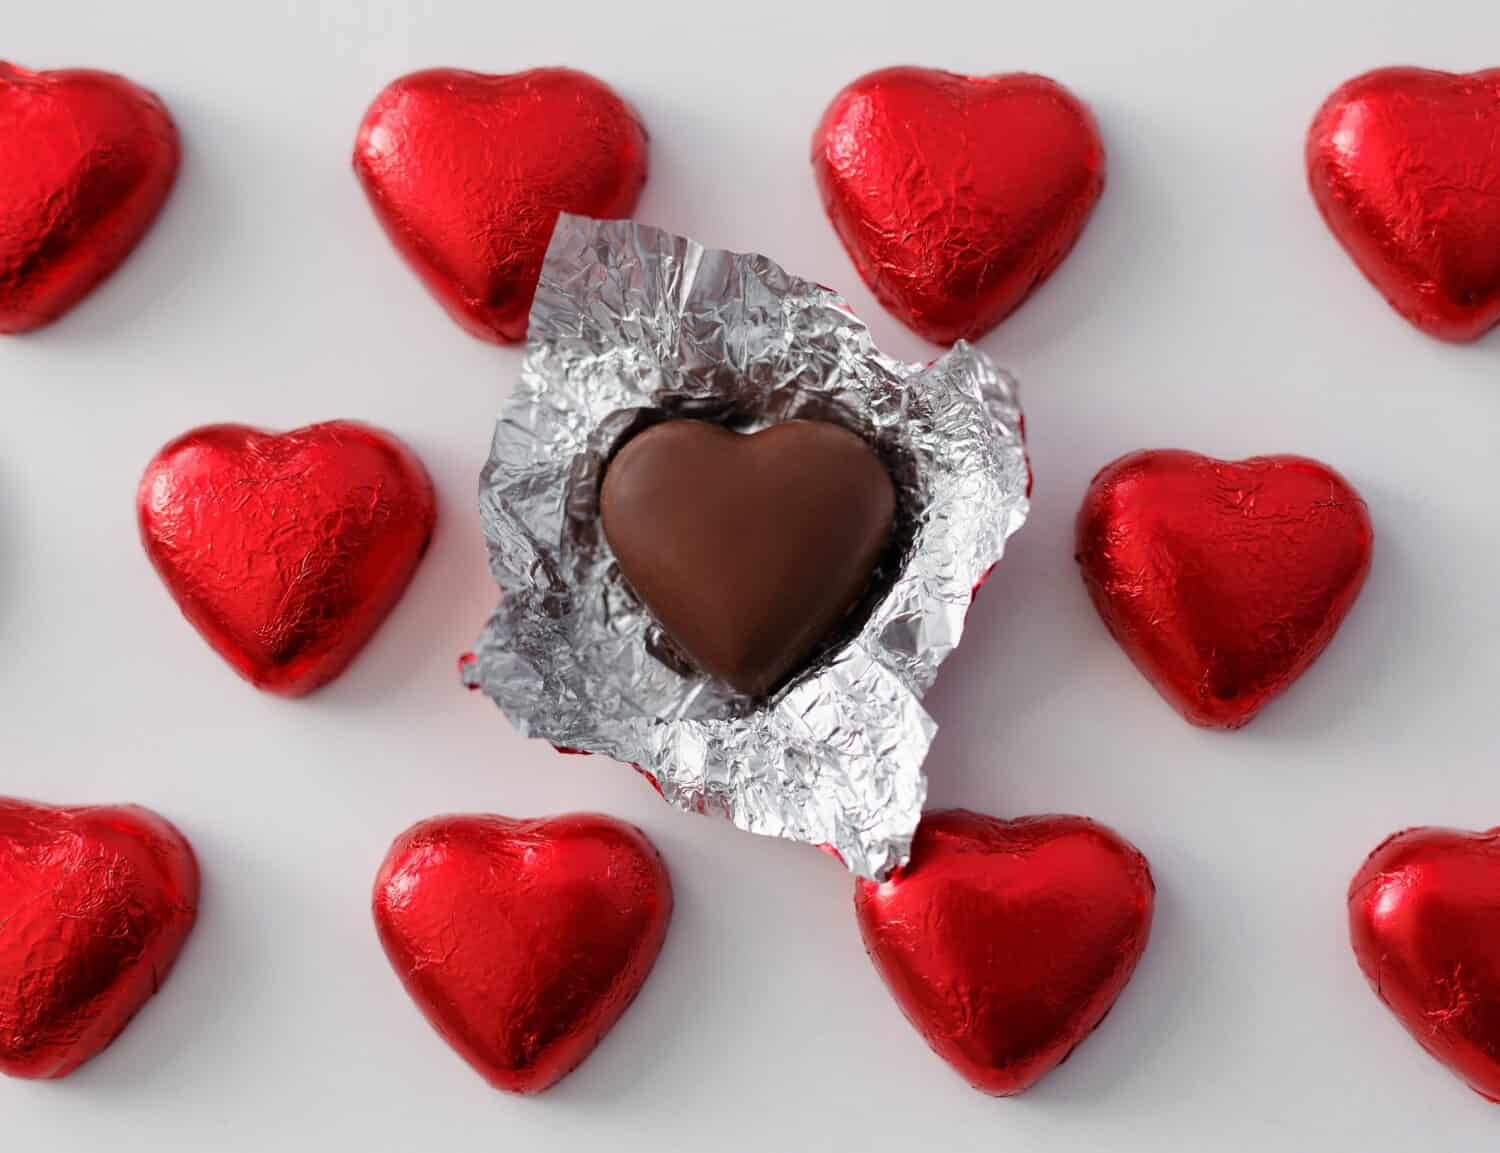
pixel 286 551
pixel 1424 920
pixel 95 904
pixel 467 174
pixel 523 942
pixel 86 162
pixel 1006 942
pixel 1221 580
pixel 956 195
pixel 1404 164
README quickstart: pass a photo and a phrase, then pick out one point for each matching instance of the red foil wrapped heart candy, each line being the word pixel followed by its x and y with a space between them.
pixel 523 942
pixel 86 162
pixel 1424 920
pixel 95 904
pixel 1006 942
pixel 1222 581
pixel 956 195
pixel 467 174
pixel 1404 164
pixel 286 551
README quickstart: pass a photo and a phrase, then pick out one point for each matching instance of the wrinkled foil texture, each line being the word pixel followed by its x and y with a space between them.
pixel 523 942
pixel 1424 928
pixel 1404 165
pixel 1007 942
pixel 466 174
pixel 87 160
pixel 286 550
pixel 957 196
pixel 631 321
pixel 95 904
pixel 1222 580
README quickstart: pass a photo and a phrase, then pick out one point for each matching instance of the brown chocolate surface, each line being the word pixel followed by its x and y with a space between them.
pixel 749 550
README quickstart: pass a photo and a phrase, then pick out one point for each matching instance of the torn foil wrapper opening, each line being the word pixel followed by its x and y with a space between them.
pixel 630 324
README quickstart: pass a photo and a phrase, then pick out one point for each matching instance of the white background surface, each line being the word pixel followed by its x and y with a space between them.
pixel 1205 307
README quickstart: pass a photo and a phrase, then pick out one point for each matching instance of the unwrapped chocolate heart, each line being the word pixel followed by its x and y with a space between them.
pixel 86 162
pixel 748 549
pixel 95 904
pixel 523 942
pixel 1006 942
pixel 1221 580
pixel 631 326
pixel 286 551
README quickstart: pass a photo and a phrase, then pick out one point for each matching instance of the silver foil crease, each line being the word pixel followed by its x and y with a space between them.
pixel 630 322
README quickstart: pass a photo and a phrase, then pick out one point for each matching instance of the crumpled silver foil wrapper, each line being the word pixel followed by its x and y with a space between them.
pixel 630 321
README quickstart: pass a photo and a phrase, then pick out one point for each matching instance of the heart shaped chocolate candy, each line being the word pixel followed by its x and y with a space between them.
pixel 748 550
